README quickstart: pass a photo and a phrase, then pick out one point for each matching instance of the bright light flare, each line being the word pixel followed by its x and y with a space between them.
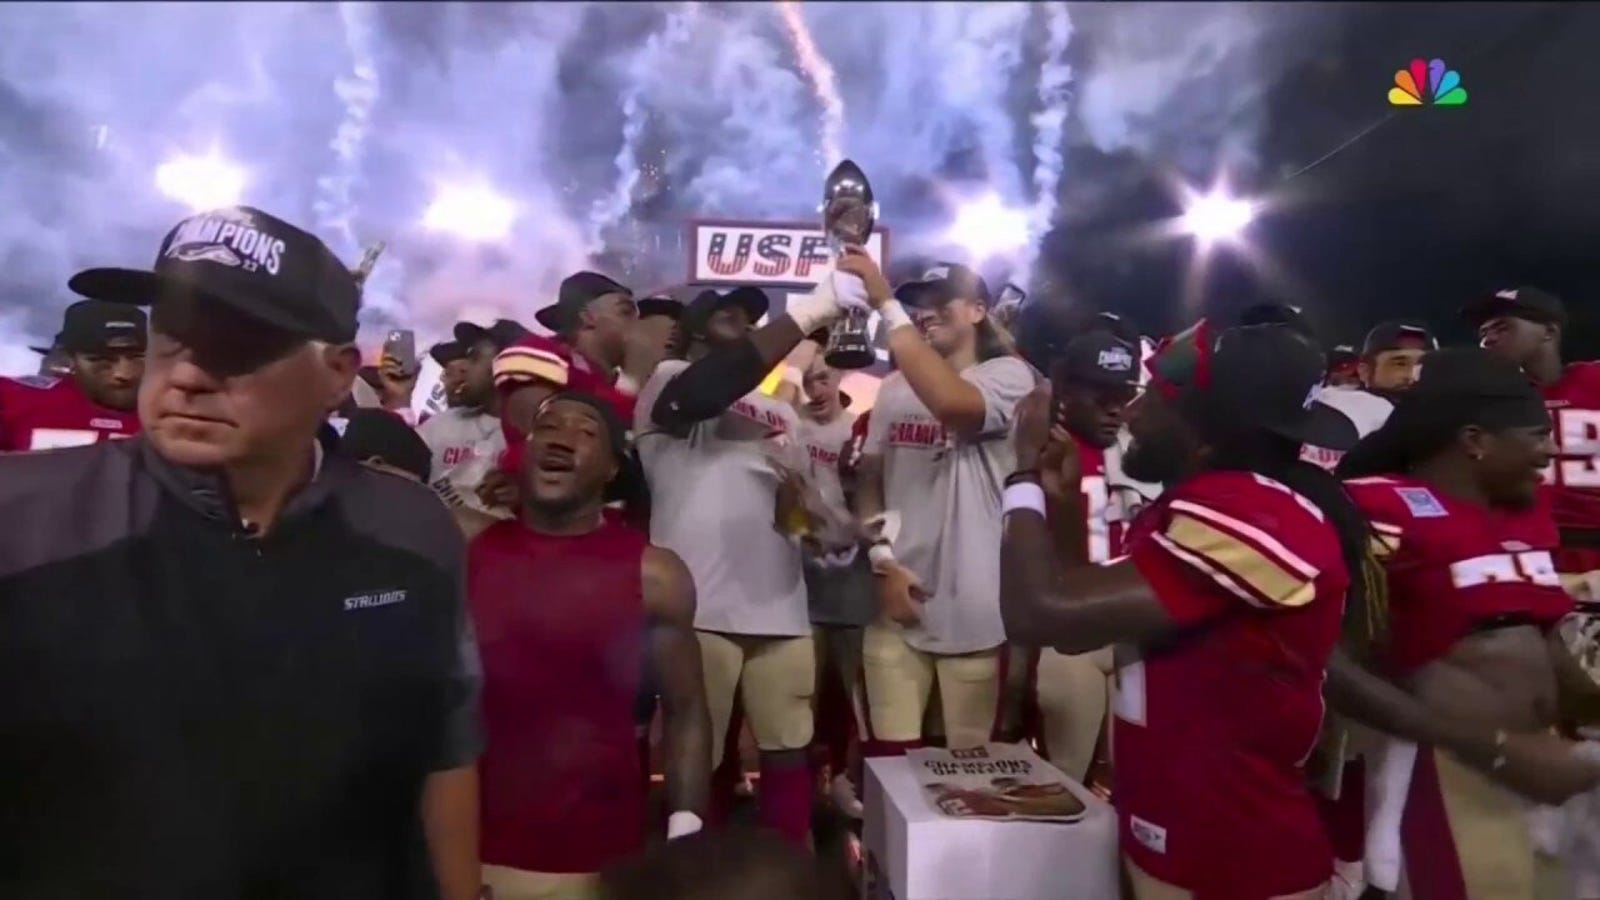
pixel 986 227
pixel 471 212
pixel 201 182
pixel 1217 217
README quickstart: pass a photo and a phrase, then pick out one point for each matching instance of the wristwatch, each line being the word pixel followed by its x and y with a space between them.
pixel 1022 476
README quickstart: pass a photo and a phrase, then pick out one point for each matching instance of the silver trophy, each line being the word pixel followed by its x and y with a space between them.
pixel 848 214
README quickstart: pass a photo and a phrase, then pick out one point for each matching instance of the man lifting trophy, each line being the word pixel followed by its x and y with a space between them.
pixel 848 215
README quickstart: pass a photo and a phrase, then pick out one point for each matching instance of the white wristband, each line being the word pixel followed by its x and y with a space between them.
pixel 1022 496
pixel 894 315
pixel 682 824
pixel 880 555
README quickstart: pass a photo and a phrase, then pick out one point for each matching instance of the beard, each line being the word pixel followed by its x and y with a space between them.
pixel 1155 458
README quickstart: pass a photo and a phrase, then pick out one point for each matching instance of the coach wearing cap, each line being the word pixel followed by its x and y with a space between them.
pixel 233 663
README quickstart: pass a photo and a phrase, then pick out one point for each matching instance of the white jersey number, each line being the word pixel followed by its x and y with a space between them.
pixel 1095 506
pixel 1578 440
pixel 1534 566
pixel 57 438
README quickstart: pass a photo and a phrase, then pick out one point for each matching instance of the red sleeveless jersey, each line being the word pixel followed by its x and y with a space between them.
pixel 561 627
pixel 1212 727
pixel 38 412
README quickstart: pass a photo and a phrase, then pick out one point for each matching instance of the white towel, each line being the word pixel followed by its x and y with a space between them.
pixel 1388 784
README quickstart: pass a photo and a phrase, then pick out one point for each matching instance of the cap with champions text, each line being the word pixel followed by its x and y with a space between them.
pixel 942 282
pixel 91 325
pixel 502 334
pixel 1099 359
pixel 577 291
pixel 256 264
pixel 1528 303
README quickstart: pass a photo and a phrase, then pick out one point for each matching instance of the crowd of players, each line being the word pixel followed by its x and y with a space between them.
pixel 1314 621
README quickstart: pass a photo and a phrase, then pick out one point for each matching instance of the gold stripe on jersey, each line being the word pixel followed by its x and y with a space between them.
pixel 1269 580
pixel 1384 540
pixel 523 363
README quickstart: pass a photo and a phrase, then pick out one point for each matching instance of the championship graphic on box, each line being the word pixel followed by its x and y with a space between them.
pixel 995 781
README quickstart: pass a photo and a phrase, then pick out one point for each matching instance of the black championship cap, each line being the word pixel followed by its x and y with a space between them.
pixel 1520 303
pixel 942 282
pixel 1397 336
pixel 91 325
pixel 446 352
pixel 577 291
pixel 752 300
pixel 258 265
pixel 1098 359
pixel 380 434
pixel 1263 376
pixel 502 334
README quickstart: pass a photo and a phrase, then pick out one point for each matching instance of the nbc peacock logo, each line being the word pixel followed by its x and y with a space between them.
pixel 1427 83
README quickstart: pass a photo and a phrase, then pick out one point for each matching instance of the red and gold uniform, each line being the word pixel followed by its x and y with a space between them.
pixel 1574 476
pixel 1454 568
pixel 1212 727
pixel 42 413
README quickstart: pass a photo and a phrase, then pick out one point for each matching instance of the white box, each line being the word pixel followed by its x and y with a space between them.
pixel 912 852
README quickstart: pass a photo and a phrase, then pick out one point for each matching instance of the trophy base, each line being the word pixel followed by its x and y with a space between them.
pixel 857 357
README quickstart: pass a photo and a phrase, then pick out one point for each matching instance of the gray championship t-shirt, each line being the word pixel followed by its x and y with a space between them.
pixel 840 594
pixel 947 492
pixel 466 444
pixel 713 495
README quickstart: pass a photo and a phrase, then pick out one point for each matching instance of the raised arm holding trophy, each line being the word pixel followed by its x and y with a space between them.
pixel 848 216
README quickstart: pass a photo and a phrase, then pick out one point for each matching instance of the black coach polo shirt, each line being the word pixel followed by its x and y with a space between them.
pixel 189 711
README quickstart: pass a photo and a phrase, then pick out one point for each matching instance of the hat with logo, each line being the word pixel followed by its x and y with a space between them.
pixel 256 264
pixel 1397 336
pixel 577 291
pixel 941 283
pixel 752 300
pixel 446 352
pixel 1099 359
pixel 502 334
pixel 91 325
pixel 1529 303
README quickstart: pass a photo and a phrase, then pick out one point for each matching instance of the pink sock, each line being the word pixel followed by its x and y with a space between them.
pixel 786 799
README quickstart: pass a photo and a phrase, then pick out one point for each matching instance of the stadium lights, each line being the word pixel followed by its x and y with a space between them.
pixel 986 227
pixel 471 212
pixel 201 182
pixel 1216 216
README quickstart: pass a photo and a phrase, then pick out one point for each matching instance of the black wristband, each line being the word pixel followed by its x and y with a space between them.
pixel 1030 476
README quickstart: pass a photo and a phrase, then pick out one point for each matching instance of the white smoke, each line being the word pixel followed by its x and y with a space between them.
pixel 1049 127
pixel 562 107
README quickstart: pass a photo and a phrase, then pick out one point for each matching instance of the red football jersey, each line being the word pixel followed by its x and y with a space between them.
pixel 1213 726
pixel 1574 477
pixel 41 413
pixel 1452 565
